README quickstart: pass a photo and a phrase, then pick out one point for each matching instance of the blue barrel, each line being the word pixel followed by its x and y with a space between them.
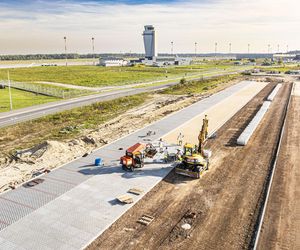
pixel 98 161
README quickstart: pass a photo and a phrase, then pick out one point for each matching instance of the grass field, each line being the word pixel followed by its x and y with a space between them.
pixel 66 124
pixel 95 76
pixel 281 68
pixel 21 99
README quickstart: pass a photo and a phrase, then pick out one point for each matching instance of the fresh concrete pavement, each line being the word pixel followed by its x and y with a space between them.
pixel 76 202
pixel 30 113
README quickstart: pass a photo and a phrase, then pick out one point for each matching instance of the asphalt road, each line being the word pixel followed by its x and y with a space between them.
pixel 30 113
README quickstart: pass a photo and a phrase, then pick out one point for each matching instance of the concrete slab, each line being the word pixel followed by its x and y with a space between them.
pixel 83 202
pixel 296 89
pixel 218 115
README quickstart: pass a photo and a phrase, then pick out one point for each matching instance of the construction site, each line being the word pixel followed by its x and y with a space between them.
pixel 215 172
pixel 224 209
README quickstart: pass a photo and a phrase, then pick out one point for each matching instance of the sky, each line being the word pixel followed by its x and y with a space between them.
pixel 39 26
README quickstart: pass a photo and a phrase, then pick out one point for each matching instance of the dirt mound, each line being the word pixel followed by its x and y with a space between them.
pixel 34 161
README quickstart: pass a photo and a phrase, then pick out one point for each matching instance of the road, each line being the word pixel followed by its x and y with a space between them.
pixel 281 225
pixel 30 113
pixel 76 202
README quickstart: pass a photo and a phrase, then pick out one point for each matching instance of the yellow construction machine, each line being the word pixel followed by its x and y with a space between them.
pixel 195 159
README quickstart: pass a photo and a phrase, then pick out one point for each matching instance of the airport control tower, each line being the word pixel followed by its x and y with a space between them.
pixel 149 42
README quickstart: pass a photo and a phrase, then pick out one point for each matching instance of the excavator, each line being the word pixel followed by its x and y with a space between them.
pixel 195 159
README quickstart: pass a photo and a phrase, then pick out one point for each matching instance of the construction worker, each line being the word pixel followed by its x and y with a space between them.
pixel 180 139
pixel 195 149
pixel 166 154
pixel 161 145
pixel 178 155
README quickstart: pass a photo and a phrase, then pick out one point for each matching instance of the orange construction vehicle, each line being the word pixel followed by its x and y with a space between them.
pixel 135 155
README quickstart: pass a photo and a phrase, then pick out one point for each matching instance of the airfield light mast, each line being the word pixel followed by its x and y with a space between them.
pixel 216 48
pixel 93 48
pixel 9 91
pixel 65 38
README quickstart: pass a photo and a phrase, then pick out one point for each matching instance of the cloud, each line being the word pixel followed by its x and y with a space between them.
pixel 38 26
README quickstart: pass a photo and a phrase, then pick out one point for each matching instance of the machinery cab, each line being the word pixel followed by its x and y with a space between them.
pixel 188 149
pixel 195 160
pixel 134 157
pixel 191 157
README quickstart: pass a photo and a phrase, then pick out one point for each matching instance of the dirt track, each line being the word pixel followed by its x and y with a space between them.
pixel 281 225
pixel 222 207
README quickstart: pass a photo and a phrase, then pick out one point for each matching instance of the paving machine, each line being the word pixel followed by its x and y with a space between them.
pixel 135 155
pixel 195 158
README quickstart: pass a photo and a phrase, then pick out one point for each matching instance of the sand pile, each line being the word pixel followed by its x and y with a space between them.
pixel 32 162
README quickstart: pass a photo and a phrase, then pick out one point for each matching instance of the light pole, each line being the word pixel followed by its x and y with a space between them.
pixel 248 48
pixel 216 48
pixel 9 92
pixel 65 38
pixel 195 49
pixel 277 48
pixel 287 49
pixel 229 48
pixel 93 48
pixel 269 48
pixel 172 48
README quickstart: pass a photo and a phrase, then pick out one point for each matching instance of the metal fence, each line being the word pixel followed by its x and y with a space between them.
pixel 46 90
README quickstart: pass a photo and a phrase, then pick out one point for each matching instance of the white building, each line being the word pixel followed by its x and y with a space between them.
pixel 183 61
pixel 150 42
pixel 112 62
pixel 294 72
pixel 168 61
pixel 284 57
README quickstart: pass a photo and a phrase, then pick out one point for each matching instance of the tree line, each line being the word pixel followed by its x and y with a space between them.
pixel 62 56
